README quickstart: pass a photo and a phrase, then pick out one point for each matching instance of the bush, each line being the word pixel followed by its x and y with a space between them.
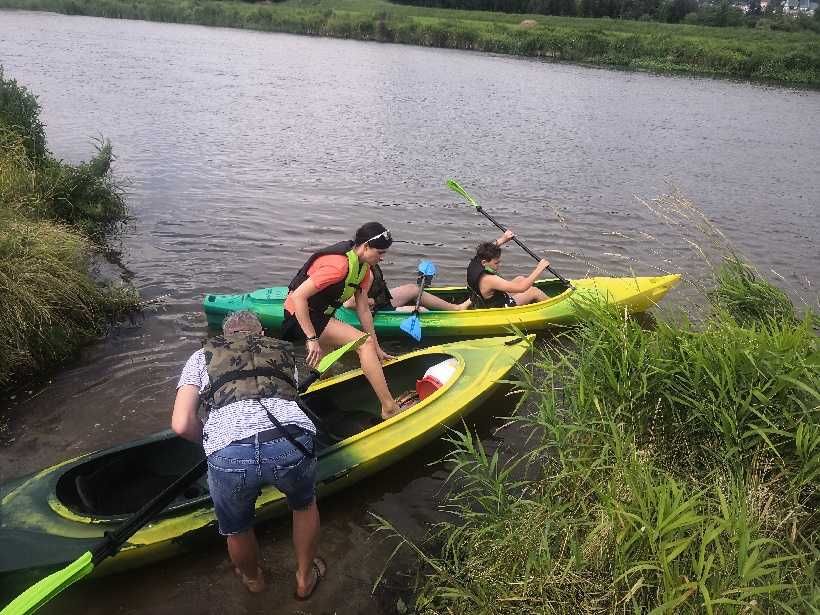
pixel 20 113
pixel 50 212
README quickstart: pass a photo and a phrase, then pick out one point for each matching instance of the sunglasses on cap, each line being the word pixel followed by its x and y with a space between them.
pixel 385 233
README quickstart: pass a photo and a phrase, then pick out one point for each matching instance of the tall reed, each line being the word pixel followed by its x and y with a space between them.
pixel 670 470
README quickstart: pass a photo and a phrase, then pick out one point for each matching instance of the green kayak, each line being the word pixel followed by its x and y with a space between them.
pixel 636 294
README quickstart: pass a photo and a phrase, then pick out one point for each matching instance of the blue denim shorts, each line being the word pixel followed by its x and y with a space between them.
pixel 237 473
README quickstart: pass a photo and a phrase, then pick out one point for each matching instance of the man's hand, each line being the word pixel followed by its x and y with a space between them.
pixel 314 352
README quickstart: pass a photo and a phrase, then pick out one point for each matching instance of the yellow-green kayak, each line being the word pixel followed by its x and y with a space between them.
pixel 53 516
pixel 636 294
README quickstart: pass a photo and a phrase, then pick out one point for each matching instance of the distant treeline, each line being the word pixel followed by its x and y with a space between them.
pixel 747 53
pixel 722 13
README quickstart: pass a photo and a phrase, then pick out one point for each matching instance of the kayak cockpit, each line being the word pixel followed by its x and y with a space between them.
pixel 119 483
pixel 350 407
pixel 552 288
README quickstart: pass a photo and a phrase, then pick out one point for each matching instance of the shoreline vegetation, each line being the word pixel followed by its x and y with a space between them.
pixel 786 58
pixel 671 469
pixel 54 219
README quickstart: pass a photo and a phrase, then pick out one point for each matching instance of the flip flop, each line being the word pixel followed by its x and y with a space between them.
pixel 317 565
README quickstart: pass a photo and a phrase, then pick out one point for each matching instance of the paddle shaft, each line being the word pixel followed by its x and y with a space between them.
pixel 418 297
pixel 114 540
pixel 521 244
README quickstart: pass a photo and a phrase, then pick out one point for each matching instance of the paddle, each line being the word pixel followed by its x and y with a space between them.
pixel 51 586
pixel 412 326
pixel 455 187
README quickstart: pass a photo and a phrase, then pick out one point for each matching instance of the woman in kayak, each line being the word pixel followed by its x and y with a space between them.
pixel 490 290
pixel 402 298
pixel 330 277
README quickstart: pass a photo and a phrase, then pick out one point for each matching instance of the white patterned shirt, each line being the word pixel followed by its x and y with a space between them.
pixel 242 418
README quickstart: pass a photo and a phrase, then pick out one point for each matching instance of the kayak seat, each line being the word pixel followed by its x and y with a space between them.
pixel 117 487
pixel 83 487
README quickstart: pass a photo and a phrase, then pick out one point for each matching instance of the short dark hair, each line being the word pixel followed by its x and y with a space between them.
pixel 487 251
pixel 367 232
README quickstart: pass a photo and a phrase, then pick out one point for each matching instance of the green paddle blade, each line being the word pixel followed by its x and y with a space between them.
pixel 328 360
pixel 331 357
pixel 46 589
pixel 455 187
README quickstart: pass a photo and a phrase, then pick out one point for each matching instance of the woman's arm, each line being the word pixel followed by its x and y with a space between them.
pixel 300 297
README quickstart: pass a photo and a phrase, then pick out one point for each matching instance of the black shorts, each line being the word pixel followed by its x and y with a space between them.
pixel 292 331
pixel 383 307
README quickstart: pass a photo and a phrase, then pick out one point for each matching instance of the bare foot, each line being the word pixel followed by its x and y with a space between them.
pixel 465 306
pixel 254 585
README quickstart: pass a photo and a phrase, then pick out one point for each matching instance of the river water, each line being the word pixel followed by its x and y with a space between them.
pixel 244 150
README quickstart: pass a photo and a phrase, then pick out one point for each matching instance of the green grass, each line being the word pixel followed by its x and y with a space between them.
pixel 672 470
pixel 53 218
pixel 756 54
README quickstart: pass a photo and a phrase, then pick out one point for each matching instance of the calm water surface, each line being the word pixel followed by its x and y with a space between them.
pixel 245 150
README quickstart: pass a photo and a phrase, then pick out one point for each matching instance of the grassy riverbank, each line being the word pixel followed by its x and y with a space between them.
pixel 670 470
pixel 54 217
pixel 757 54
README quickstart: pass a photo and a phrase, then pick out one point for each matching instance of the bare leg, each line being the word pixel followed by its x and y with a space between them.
pixel 338 333
pixel 244 553
pixel 531 295
pixel 407 293
pixel 306 545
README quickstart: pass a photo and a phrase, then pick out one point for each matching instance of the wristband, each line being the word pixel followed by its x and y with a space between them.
pixel 315 338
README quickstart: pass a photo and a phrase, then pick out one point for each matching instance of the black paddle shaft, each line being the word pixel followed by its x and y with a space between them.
pixel 114 540
pixel 423 281
pixel 523 247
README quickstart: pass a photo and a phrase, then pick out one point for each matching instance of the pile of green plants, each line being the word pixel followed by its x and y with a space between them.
pixel 669 470
pixel 740 52
pixel 54 217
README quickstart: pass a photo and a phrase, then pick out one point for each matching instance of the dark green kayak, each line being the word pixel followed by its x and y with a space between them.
pixel 51 517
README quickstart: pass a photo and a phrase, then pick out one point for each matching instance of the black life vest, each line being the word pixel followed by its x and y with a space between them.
pixel 329 299
pixel 475 271
pixel 248 366
pixel 382 299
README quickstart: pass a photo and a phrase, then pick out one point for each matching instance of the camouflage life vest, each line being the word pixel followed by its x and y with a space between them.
pixel 248 366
